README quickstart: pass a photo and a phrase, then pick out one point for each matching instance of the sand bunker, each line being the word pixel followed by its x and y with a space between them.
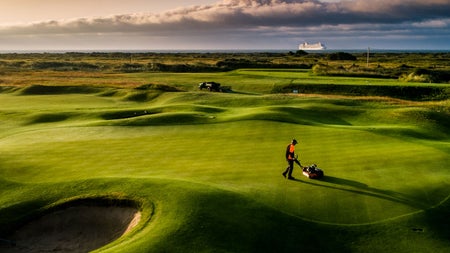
pixel 80 228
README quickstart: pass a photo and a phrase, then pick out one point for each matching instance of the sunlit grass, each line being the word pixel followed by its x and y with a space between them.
pixel 207 166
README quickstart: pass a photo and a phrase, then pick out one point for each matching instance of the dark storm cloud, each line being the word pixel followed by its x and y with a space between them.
pixel 241 14
pixel 287 18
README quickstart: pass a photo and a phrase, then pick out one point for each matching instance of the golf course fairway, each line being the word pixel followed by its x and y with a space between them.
pixel 204 169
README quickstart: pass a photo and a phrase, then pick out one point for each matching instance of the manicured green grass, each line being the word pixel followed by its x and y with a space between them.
pixel 207 168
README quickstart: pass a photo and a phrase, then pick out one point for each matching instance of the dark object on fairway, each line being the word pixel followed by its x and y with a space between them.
pixel 313 172
pixel 210 86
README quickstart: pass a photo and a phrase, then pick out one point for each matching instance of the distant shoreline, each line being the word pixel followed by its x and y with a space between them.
pixel 174 51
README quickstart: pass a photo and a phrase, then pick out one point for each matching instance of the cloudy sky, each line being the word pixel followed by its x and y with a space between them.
pixel 223 24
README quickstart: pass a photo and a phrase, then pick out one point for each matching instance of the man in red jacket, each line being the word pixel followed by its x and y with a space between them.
pixel 290 158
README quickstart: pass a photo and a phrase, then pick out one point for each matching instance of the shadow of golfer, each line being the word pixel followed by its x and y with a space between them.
pixel 356 187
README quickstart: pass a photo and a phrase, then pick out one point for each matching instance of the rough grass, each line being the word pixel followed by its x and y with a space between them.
pixel 206 168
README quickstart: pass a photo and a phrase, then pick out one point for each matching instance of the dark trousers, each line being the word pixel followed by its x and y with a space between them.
pixel 290 168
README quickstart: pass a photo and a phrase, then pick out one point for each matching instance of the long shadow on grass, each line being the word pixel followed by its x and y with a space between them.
pixel 356 187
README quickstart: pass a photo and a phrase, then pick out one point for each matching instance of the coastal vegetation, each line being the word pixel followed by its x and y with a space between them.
pixel 414 67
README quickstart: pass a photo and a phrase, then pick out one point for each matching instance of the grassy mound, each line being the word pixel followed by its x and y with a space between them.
pixel 188 216
pixel 48 117
pixel 48 90
pixel 206 168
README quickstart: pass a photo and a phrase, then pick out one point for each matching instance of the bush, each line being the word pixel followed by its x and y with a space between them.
pixel 426 76
pixel 132 67
pixel 298 53
pixel 341 56
pixel 182 68
pixel 320 69
pixel 416 93
pixel 413 77
pixel 62 65
pixel 235 63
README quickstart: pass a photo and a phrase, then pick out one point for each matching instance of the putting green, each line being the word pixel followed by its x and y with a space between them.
pixel 369 177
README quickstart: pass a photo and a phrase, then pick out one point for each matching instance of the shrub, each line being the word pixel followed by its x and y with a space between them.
pixel 341 56
pixel 413 77
pixel 426 76
pixel 235 63
pixel 63 66
pixel 320 69
pixel 416 93
pixel 132 67
pixel 300 53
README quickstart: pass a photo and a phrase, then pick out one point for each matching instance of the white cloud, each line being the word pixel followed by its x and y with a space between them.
pixel 435 23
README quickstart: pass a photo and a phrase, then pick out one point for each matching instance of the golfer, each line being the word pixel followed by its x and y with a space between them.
pixel 290 158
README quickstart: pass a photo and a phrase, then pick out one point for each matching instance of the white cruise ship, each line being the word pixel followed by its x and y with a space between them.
pixel 314 46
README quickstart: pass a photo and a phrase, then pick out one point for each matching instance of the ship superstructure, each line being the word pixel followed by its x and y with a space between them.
pixel 312 46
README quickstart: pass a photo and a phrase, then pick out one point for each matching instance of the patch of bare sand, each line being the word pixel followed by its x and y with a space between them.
pixel 80 228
